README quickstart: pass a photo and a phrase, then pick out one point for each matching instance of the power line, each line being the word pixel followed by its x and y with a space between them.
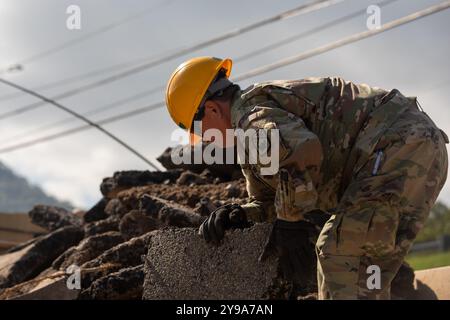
pixel 237 59
pixel 303 34
pixel 81 117
pixel 98 110
pixel 302 9
pixel 90 35
pixel 241 58
pixel 79 77
pixel 342 42
pixel 80 128
pixel 362 35
pixel 124 65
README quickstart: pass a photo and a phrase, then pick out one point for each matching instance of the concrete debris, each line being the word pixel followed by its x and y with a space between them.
pixel 125 284
pixel 102 226
pixel 50 289
pixel 22 245
pixel 204 207
pixel 124 255
pixel 28 285
pixel 140 240
pixel 97 212
pixel 180 265
pixel 232 190
pixel 52 218
pixel 126 179
pixel 115 208
pixel 169 213
pixel 189 178
pixel 88 249
pixel 225 172
pixel 136 223
pixel 187 196
pixel 28 262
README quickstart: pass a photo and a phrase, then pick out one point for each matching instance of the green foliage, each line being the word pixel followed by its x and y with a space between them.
pixel 437 225
pixel 420 261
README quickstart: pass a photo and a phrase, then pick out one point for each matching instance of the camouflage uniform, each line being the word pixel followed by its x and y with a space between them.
pixel 369 157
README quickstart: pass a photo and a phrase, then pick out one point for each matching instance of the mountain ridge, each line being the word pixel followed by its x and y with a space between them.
pixel 18 195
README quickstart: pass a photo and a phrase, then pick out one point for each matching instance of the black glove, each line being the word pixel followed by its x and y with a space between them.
pixel 223 218
pixel 291 243
pixel 318 218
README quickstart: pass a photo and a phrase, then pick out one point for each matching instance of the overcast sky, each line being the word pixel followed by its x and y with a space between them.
pixel 413 58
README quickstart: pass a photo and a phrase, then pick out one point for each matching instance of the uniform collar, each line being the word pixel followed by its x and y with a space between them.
pixel 236 101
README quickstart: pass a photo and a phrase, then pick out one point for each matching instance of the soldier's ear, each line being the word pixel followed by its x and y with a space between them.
pixel 213 108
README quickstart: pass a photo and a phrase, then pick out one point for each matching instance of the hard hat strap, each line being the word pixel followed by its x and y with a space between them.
pixel 218 85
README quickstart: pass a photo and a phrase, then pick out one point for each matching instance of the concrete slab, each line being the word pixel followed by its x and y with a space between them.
pixel 51 289
pixel 433 284
pixel 181 265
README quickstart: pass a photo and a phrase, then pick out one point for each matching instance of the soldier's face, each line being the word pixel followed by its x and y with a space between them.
pixel 217 116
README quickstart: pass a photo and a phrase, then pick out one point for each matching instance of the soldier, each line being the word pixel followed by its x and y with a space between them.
pixel 370 158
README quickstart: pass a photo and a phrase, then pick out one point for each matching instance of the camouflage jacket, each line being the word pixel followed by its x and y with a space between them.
pixel 328 128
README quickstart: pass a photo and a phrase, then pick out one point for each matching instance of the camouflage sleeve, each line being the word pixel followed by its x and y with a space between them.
pixel 260 206
pixel 299 154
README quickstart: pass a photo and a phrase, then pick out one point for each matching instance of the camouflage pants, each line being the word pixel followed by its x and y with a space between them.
pixel 381 211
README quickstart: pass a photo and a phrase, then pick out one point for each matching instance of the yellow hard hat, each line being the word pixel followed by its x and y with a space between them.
pixel 189 84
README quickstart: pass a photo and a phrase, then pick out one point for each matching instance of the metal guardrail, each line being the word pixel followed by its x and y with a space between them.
pixel 441 244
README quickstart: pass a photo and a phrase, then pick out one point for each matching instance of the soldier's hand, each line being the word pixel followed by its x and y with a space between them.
pixel 291 243
pixel 222 219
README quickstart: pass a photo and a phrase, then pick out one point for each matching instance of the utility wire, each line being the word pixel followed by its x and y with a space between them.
pixel 342 42
pixel 120 66
pixel 79 77
pixel 80 128
pixel 241 58
pixel 79 116
pixel 302 9
pixel 107 107
pixel 90 35
pixel 238 59
pixel 388 26
pixel 288 40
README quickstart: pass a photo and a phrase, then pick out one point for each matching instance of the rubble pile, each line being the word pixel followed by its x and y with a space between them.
pixel 139 241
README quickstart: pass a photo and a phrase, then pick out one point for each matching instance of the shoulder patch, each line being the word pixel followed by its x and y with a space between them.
pixel 248 117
